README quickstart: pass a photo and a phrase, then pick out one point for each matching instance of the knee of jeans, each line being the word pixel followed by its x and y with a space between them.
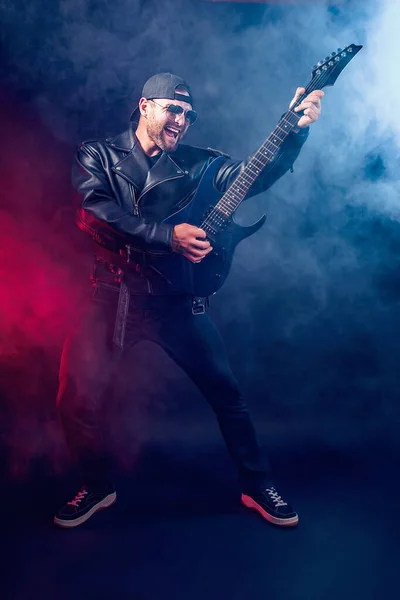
pixel 65 397
pixel 229 399
pixel 235 408
pixel 71 399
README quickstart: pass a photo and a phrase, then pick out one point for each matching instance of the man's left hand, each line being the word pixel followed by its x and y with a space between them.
pixel 311 106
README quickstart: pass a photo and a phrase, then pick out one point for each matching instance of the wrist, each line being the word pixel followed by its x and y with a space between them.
pixel 301 130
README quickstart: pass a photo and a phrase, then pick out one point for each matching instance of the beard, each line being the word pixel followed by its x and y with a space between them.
pixel 156 132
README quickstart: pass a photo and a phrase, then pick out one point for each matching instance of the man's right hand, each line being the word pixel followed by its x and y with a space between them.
pixel 191 242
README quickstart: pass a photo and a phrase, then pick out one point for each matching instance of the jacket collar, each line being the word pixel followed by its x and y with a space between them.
pixel 164 170
pixel 123 141
pixel 134 167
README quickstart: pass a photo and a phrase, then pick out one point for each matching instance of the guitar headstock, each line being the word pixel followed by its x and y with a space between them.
pixel 327 71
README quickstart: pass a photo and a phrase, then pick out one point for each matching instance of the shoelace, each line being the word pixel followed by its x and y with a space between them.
pixel 276 499
pixel 80 495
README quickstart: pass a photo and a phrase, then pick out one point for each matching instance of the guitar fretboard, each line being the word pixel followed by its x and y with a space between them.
pixel 325 73
pixel 230 201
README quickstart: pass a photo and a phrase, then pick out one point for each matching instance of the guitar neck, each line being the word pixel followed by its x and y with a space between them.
pixel 264 155
pixel 325 73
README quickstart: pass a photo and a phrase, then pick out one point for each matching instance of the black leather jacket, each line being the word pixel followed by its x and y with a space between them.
pixel 122 201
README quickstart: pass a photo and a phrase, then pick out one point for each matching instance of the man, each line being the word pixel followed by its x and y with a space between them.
pixel 126 187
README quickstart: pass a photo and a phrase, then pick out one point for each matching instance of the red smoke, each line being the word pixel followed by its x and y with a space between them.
pixel 44 267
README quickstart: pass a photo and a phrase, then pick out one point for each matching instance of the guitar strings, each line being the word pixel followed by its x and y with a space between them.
pixel 209 220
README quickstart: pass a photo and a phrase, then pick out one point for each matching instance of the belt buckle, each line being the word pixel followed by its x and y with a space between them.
pixel 198 306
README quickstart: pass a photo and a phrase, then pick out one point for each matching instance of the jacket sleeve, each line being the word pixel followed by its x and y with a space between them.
pixel 282 162
pixel 99 214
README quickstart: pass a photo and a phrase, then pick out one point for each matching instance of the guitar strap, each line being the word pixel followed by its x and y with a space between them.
pixel 122 314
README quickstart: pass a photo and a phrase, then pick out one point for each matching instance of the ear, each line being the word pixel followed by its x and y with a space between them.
pixel 143 107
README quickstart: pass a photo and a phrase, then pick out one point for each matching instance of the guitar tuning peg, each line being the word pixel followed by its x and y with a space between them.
pixel 339 50
pixel 333 54
pixel 315 67
pixel 327 57
pixel 320 62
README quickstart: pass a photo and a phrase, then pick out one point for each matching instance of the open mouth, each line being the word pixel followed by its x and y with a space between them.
pixel 172 132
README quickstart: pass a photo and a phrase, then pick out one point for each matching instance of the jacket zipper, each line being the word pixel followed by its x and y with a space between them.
pixel 135 202
pixel 136 212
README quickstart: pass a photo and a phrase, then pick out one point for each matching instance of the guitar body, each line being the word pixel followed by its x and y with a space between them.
pixel 204 278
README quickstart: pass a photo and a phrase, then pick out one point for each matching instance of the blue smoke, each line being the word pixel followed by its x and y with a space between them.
pixel 310 312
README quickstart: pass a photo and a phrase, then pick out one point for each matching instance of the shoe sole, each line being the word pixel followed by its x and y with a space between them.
pixel 105 503
pixel 250 503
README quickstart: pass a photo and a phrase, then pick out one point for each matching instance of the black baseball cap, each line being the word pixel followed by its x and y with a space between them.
pixel 163 85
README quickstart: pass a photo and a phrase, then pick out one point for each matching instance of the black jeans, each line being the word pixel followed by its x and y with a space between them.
pixel 90 363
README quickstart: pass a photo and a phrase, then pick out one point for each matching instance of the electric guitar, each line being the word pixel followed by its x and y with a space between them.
pixel 213 211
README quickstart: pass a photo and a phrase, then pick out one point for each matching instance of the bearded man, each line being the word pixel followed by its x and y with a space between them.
pixel 126 188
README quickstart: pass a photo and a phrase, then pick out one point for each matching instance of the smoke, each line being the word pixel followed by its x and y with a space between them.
pixel 310 310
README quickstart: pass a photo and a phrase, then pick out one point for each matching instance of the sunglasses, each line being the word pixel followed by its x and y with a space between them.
pixel 175 109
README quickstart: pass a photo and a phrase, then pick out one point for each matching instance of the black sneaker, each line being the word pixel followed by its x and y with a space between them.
pixel 83 506
pixel 271 507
